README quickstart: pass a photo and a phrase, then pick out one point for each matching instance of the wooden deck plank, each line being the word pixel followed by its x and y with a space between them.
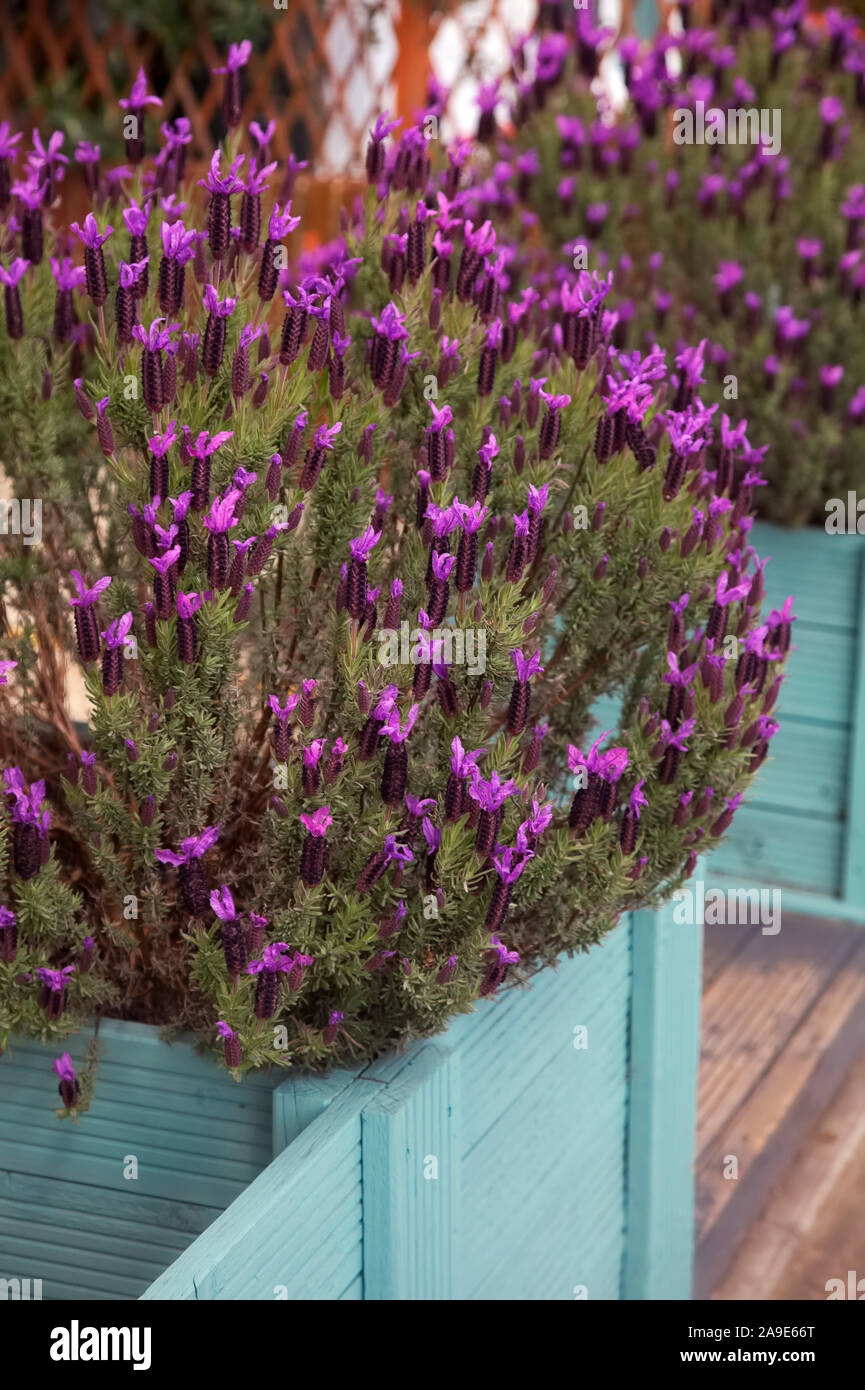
pixel 811 1229
pixel 721 945
pixel 776 1119
pixel 755 1006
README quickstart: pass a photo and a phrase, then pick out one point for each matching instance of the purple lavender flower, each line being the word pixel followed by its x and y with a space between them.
pixel 86 626
pixel 520 703
pixel 8 935
pixel 68 1089
pixel 272 964
pixel 10 280
pixel 360 550
pixel 314 851
pixel 52 996
pixel 193 889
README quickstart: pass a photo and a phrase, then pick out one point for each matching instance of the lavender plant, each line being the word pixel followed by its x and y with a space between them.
pixel 726 190
pixel 390 523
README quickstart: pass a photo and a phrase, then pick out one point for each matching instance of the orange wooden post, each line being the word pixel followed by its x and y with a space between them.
pixel 414 35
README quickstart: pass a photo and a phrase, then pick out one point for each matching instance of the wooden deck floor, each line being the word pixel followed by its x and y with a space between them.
pixel 781 1129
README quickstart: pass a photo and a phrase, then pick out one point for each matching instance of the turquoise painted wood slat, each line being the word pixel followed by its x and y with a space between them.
pixel 497 1163
pixel 812 756
pixel 529 1133
pixel 538 1113
pixel 299 1101
pixel 665 1031
pixel 803 826
pixel 412 1182
pixel 854 849
pixel 822 571
pixel 264 1245
pixel 66 1208
pixel 782 850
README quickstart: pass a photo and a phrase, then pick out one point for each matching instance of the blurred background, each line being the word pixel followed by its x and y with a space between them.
pixel 324 68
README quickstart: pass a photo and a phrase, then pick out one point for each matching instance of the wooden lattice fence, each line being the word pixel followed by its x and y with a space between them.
pixel 324 69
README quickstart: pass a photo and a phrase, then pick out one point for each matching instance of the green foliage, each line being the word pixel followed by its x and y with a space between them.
pixel 187 744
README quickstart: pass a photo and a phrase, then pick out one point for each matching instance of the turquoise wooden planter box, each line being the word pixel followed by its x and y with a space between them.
pixel 803 827
pixel 498 1161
